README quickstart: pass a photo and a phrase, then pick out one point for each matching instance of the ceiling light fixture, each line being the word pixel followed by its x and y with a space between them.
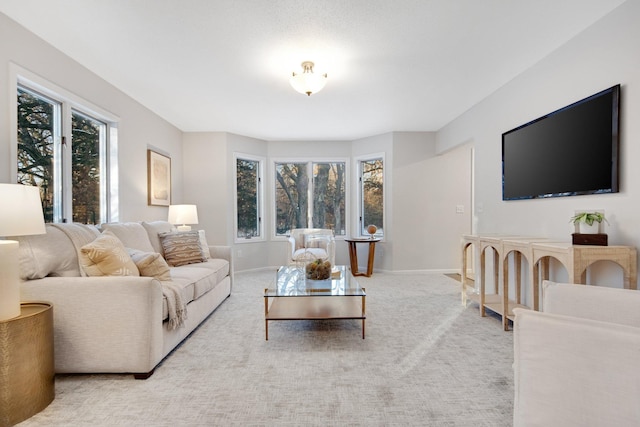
pixel 308 82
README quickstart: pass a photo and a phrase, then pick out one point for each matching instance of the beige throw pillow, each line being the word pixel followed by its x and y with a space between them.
pixel 181 248
pixel 151 264
pixel 107 256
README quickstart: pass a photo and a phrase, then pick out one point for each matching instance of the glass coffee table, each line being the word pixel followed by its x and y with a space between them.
pixel 293 297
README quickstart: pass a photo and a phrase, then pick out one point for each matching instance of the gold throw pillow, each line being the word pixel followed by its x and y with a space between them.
pixel 107 256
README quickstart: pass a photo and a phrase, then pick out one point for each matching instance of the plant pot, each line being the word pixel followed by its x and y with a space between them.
pixel 589 229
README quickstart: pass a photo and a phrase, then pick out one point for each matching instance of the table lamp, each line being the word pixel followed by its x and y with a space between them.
pixel 183 214
pixel 20 215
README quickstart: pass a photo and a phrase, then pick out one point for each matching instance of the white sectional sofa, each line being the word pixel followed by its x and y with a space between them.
pixel 576 363
pixel 119 324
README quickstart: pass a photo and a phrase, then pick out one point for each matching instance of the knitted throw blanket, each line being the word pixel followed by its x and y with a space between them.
pixel 175 305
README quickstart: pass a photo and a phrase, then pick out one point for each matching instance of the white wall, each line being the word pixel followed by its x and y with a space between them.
pixel 422 191
pixel 428 190
pixel 603 55
pixel 138 127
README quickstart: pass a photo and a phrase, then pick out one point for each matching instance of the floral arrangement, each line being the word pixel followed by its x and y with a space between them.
pixel 318 270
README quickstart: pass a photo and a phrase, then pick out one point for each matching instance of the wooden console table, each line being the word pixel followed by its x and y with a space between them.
pixel 537 251
pixel 353 255
pixel 577 258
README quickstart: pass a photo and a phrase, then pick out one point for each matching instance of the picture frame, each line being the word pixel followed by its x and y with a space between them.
pixel 158 179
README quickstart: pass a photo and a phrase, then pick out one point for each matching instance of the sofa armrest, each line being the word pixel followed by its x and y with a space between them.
pixel 614 305
pixel 222 252
pixel 102 323
pixel 574 372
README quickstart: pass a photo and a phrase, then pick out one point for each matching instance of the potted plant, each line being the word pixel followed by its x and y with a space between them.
pixel 589 222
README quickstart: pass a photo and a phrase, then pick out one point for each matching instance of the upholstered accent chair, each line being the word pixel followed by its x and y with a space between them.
pixel 309 244
pixel 576 363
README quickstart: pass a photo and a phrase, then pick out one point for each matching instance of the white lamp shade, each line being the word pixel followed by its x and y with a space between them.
pixel 20 210
pixel 308 82
pixel 20 215
pixel 183 214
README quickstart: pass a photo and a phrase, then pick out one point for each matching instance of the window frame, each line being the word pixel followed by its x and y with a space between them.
pixel 260 196
pixel 309 161
pixel 359 211
pixel 69 103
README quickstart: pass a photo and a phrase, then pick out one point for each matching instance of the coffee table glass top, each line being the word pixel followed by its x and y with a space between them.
pixel 291 282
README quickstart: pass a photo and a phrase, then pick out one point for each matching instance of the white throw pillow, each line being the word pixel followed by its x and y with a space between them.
pixel 203 244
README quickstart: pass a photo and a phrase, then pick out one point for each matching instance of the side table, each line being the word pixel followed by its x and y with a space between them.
pixel 353 255
pixel 27 376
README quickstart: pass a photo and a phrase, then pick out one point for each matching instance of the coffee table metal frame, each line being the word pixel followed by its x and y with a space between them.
pixel 293 297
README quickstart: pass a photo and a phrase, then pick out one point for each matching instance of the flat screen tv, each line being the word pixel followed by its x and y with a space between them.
pixel 569 152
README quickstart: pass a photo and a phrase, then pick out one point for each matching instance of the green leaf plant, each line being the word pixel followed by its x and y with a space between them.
pixel 588 218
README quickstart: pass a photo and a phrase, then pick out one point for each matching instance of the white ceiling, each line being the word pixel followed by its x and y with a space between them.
pixel 224 65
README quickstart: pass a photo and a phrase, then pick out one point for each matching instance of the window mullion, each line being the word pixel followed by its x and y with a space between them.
pixel 66 194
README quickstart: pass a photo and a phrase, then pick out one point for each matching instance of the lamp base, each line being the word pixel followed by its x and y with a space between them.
pixel 9 280
pixel 184 228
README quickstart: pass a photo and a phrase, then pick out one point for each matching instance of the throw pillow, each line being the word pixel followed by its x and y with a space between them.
pixel 151 264
pixel 107 256
pixel 181 248
pixel 204 245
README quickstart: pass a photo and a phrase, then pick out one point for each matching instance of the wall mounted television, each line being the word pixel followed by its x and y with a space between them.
pixel 569 152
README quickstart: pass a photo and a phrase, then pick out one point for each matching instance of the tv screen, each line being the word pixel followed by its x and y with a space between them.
pixel 571 151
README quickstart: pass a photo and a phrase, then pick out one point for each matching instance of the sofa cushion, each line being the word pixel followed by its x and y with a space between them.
pixel 132 234
pixel 154 228
pixel 150 264
pixel 50 254
pixel 206 275
pixel 107 256
pixel 182 248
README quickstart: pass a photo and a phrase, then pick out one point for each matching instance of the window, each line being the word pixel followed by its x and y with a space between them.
pixel 371 195
pixel 248 197
pixel 301 202
pixel 63 149
pixel 88 140
pixel 39 136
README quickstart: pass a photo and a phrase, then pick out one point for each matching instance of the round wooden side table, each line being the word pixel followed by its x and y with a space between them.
pixel 27 376
pixel 353 255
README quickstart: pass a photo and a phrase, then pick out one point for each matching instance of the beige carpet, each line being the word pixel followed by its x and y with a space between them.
pixel 426 361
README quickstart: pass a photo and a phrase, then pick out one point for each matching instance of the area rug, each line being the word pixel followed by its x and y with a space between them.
pixel 426 361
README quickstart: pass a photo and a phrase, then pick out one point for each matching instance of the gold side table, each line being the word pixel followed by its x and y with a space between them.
pixel 27 376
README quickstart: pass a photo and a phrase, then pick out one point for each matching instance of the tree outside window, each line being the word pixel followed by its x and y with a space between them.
pixel 86 169
pixel 248 190
pixel 53 161
pixel 371 194
pixel 38 127
pixel 301 203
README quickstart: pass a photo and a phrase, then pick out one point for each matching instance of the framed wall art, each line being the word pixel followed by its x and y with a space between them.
pixel 158 179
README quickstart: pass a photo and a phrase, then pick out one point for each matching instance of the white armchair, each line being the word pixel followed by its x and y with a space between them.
pixel 308 244
pixel 578 362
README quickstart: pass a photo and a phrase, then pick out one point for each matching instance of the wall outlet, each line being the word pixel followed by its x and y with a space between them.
pixel 459 209
pixel 239 253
